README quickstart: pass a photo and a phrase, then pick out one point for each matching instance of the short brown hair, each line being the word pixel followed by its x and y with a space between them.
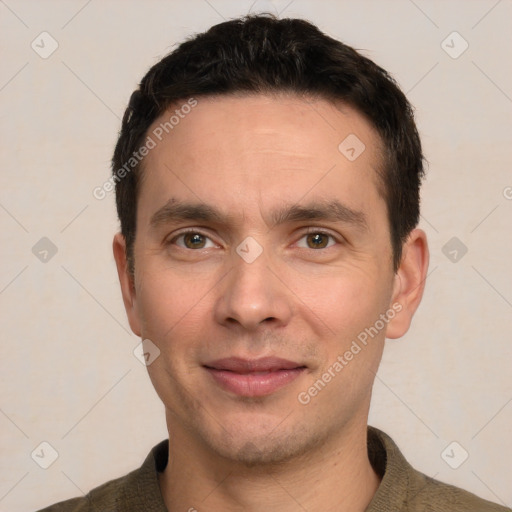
pixel 262 54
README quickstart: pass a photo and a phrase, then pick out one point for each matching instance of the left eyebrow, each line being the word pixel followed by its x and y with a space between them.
pixel 330 211
pixel 320 210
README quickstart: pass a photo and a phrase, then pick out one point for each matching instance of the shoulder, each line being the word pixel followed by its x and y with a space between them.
pixel 108 496
pixel 405 489
pixel 136 491
pixel 428 495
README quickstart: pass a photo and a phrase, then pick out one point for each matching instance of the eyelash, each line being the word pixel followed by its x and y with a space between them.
pixel 310 231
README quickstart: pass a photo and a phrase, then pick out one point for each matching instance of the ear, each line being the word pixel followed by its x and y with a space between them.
pixel 409 283
pixel 126 282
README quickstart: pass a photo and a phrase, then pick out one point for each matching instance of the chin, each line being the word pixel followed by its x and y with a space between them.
pixel 251 449
pixel 251 455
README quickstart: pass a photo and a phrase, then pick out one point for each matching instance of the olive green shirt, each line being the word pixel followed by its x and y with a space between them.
pixel 402 489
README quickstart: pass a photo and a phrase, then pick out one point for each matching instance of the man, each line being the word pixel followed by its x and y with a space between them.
pixel 267 184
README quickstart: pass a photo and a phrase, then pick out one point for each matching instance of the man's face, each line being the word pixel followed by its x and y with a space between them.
pixel 315 272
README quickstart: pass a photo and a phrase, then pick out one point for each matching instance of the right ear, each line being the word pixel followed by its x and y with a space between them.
pixel 126 282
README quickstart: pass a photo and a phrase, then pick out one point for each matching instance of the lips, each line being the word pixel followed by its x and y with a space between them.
pixel 253 377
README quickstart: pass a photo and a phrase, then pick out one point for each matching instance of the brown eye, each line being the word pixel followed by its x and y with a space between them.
pixel 194 240
pixel 317 240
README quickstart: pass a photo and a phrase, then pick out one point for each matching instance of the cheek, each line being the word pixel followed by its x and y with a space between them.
pixel 344 299
pixel 172 317
pixel 347 306
pixel 170 305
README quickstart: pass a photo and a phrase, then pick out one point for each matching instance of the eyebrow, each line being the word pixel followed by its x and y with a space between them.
pixel 326 210
pixel 331 211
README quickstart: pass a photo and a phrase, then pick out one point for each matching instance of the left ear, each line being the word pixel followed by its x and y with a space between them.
pixel 409 283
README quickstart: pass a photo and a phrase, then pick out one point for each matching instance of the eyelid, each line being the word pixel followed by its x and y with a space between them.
pixel 315 229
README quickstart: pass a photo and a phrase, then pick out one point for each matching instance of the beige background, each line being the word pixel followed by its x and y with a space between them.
pixel 68 374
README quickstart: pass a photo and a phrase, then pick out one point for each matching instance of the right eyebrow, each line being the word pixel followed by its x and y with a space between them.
pixel 175 210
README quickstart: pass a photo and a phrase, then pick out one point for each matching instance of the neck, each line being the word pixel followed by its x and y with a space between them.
pixel 337 476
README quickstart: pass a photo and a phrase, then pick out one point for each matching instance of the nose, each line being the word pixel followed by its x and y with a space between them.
pixel 253 294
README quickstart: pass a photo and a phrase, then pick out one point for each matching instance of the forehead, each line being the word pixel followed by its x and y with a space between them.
pixel 249 151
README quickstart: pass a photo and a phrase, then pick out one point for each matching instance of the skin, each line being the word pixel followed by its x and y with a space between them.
pixel 248 156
